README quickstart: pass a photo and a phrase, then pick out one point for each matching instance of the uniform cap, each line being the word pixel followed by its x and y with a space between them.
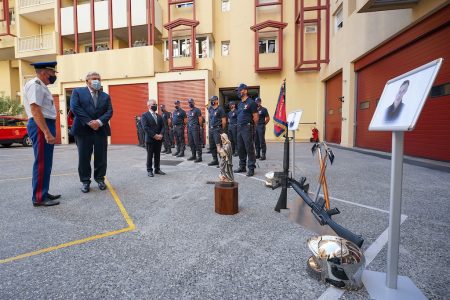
pixel 177 102
pixel 49 65
pixel 213 98
pixel 241 87
pixel 190 100
pixel 232 103
pixel 258 100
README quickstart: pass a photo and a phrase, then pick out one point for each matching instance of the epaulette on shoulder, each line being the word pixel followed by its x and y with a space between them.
pixel 37 81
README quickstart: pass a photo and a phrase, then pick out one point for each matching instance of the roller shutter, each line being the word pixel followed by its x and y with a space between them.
pixel 431 137
pixel 128 101
pixel 168 92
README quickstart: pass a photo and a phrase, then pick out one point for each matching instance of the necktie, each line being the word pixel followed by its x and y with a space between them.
pixel 95 98
pixel 154 117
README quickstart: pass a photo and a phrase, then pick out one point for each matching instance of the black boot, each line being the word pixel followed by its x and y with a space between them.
pixel 257 156
pixel 263 156
pixel 199 159
pixel 215 162
pixel 176 153
pixel 181 154
pixel 193 157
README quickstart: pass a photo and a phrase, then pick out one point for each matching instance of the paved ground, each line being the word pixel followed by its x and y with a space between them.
pixel 181 249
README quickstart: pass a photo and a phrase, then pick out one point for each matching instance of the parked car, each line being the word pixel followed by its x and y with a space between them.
pixel 13 130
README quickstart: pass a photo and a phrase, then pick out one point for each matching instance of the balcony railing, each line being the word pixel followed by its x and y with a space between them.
pixel 29 3
pixel 37 42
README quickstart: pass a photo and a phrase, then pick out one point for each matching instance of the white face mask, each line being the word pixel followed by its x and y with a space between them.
pixel 96 84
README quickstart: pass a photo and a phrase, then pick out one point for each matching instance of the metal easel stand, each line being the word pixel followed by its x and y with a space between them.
pixel 389 285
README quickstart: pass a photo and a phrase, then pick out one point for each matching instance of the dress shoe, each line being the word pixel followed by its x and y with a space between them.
pixel 240 170
pixel 250 173
pixel 181 154
pixel 263 157
pixel 46 202
pixel 85 188
pixel 159 172
pixel 150 174
pixel 192 158
pixel 53 197
pixel 199 159
pixel 213 163
pixel 102 185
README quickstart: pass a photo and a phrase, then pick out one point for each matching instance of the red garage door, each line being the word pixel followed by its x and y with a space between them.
pixel 430 139
pixel 168 92
pixel 333 109
pixel 128 100
pixel 58 119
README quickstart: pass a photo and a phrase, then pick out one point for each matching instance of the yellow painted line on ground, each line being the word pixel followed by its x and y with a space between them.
pixel 123 211
pixel 23 178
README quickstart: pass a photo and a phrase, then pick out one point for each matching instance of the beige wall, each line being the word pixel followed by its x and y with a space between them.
pixel 361 33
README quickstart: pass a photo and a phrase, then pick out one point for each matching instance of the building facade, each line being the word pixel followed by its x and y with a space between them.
pixel 335 56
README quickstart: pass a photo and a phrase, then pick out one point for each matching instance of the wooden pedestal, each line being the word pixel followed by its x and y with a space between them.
pixel 226 198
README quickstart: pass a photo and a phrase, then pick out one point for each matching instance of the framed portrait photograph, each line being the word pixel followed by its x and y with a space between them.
pixel 403 98
pixel 293 119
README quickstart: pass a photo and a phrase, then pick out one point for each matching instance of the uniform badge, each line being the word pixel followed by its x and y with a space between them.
pixel 215 114
pixel 245 106
pixel 178 114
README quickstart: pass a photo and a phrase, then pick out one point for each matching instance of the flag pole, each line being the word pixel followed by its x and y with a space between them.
pixel 282 200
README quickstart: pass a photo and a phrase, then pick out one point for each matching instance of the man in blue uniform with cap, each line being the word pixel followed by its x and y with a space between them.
pixel 41 112
pixel 247 117
pixel 217 123
pixel 194 120
pixel 179 122
pixel 232 127
pixel 260 137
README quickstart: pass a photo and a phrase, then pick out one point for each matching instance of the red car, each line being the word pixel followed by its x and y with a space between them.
pixel 13 130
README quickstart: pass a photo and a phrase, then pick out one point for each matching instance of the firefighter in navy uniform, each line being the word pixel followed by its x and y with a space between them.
pixel 247 116
pixel 194 120
pixel 232 127
pixel 179 122
pixel 166 121
pixel 260 138
pixel 217 123
pixel 41 112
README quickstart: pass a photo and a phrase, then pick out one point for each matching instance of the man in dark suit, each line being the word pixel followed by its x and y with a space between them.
pixel 153 125
pixel 92 109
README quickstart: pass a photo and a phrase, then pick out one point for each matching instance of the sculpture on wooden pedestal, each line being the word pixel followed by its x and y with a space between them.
pixel 225 152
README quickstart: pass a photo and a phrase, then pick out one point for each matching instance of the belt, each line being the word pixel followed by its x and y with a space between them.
pixel 175 125
pixel 218 126
pixel 246 124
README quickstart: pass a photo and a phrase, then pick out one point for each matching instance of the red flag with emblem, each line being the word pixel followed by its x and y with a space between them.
pixel 279 118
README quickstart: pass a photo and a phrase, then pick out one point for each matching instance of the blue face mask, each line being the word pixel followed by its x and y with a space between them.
pixel 96 85
pixel 52 79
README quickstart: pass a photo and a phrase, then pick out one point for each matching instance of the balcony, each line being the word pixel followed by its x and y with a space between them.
pixel 112 64
pixel 38 11
pixel 381 5
pixel 38 45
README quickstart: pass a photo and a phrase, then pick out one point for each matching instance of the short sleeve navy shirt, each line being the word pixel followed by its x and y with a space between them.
pixel 178 117
pixel 193 115
pixel 232 117
pixel 263 113
pixel 215 116
pixel 245 111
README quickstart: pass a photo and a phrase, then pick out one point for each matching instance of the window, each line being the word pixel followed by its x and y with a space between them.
pixel 225 48
pixel 182 48
pixel 225 5
pixel 338 19
pixel 267 46
pixel 311 28
pixel 189 4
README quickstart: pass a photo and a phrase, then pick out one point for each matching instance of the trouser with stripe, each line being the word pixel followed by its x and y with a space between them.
pixel 43 159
